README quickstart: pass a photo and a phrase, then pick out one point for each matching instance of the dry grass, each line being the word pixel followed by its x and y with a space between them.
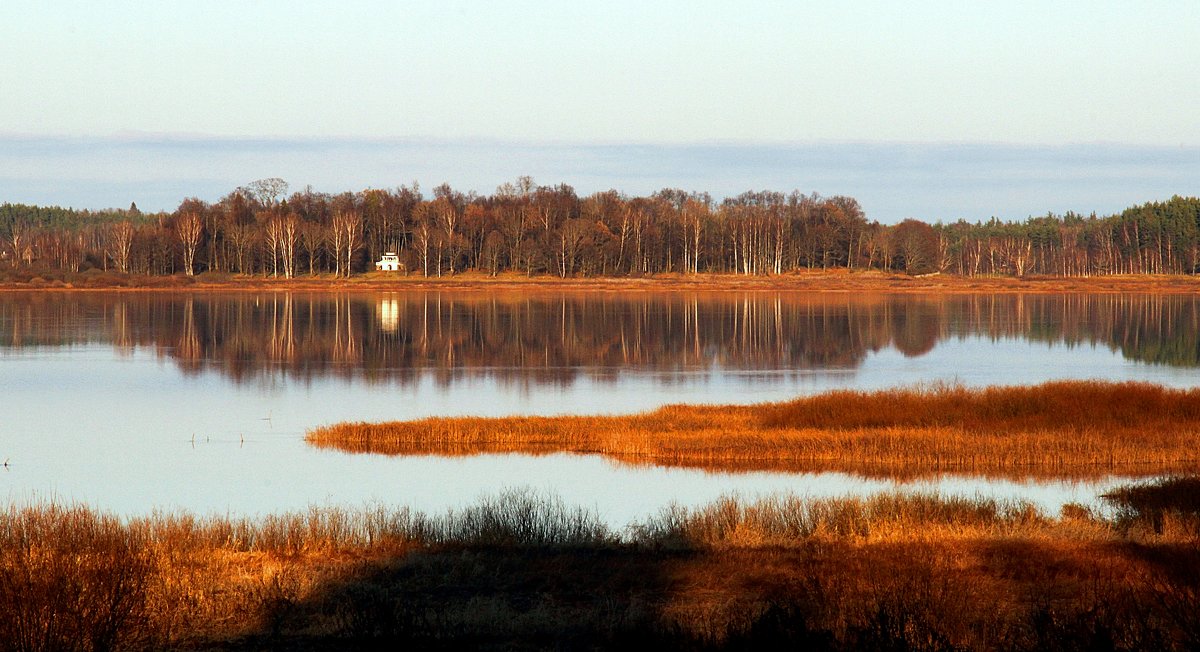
pixel 75 579
pixel 71 579
pixel 1168 507
pixel 524 571
pixel 784 520
pixel 1060 406
pixel 1065 429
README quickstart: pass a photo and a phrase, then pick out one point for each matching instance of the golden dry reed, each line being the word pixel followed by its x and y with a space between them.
pixel 1066 429
pixel 522 570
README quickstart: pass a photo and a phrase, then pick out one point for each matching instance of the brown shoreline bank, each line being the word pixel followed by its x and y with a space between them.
pixel 833 281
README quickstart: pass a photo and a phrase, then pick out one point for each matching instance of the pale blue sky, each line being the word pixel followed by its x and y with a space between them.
pixel 523 75
pixel 1016 72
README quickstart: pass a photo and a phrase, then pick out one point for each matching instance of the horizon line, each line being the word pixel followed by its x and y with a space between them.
pixel 137 137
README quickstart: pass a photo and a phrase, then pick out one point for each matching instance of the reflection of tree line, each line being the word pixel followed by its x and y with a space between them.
pixel 554 339
pixel 1157 329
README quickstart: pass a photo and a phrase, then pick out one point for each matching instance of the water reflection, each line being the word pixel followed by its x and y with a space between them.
pixel 553 339
pixel 136 401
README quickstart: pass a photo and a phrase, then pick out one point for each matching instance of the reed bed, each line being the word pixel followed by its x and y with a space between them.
pixel 515 518
pixel 1167 505
pixel 1072 406
pixel 1063 429
pixel 785 520
pixel 919 571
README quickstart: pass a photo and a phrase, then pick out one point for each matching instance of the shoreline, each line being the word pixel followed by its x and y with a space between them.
pixel 838 281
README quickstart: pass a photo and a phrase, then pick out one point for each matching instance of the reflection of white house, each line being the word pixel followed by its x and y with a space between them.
pixel 388 262
pixel 388 311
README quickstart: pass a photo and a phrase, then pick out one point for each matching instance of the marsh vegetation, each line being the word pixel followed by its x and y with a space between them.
pixel 522 570
pixel 1061 429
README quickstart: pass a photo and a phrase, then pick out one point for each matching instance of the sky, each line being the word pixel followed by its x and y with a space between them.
pixel 98 98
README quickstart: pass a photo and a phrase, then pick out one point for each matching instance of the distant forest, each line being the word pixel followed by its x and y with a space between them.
pixel 550 230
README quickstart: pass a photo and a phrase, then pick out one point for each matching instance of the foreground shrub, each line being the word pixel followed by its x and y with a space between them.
pixel 71 579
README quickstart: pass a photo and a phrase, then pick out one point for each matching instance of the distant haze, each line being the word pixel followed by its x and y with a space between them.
pixel 933 182
pixel 901 105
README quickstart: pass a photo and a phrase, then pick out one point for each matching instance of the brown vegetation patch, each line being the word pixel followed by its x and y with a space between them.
pixel 522 571
pixel 1067 429
pixel 1168 505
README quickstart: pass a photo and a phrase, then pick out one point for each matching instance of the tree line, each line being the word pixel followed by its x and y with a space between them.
pixel 550 230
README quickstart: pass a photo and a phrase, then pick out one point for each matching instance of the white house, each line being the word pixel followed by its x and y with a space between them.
pixel 388 262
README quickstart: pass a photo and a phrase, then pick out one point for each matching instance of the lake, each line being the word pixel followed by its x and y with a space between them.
pixel 141 401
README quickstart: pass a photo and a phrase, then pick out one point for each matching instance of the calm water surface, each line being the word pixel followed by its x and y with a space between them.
pixel 140 402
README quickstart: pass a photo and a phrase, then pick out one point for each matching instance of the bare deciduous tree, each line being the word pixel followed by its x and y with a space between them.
pixel 266 191
pixel 347 238
pixel 189 228
pixel 118 243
